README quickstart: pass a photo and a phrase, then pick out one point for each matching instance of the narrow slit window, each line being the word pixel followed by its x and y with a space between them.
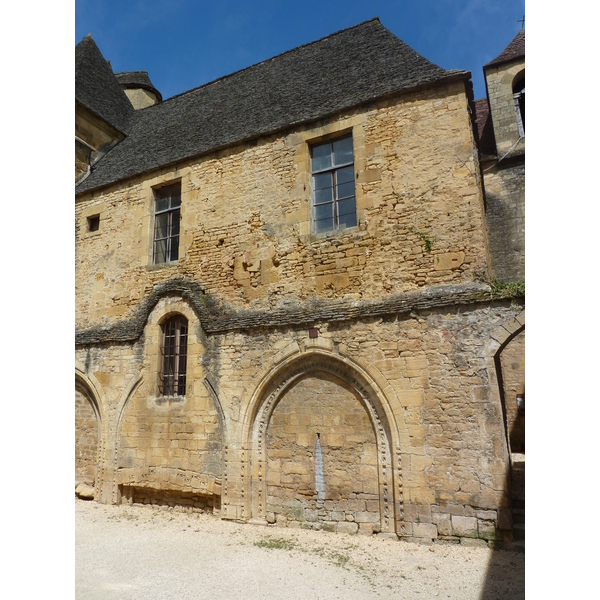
pixel 172 380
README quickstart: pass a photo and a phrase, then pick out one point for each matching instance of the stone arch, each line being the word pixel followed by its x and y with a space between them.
pixel 502 336
pixel 187 464
pixel 270 392
pixel 89 423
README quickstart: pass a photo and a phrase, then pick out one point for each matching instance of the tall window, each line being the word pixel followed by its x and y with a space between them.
pixel 334 202
pixel 174 357
pixel 167 203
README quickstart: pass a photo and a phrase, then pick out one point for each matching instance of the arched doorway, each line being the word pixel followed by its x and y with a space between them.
pixel 321 449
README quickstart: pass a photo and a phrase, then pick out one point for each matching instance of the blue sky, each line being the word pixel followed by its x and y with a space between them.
pixel 186 43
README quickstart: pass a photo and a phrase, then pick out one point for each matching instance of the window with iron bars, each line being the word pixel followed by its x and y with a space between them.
pixel 167 203
pixel 334 201
pixel 172 378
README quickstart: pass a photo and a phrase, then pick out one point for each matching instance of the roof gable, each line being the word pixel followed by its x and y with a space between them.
pixel 335 73
pixel 97 88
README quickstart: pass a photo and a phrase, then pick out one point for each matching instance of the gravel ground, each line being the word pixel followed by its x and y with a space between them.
pixel 135 552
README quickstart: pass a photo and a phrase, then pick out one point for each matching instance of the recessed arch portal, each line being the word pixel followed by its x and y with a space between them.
pixel 88 431
pixel 320 406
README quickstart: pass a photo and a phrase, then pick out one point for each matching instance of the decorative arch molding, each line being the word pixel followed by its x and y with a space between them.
pixel 272 387
pixel 170 305
pixel 131 329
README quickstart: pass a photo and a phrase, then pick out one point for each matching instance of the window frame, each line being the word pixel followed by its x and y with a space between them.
pixel 335 170
pixel 172 377
pixel 93 223
pixel 172 193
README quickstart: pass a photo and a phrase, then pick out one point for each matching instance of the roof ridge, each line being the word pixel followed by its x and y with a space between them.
pixel 266 60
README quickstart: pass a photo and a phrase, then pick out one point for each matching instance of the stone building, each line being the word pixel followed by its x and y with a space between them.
pixel 283 312
pixel 501 126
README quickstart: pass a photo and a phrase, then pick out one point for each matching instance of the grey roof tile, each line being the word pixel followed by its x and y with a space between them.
pixel 97 88
pixel 514 50
pixel 334 73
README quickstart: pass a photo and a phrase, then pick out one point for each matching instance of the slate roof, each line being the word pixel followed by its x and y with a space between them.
pixel 485 130
pixel 137 79
pixel 514 50
pixel 334 73
pixel 97 88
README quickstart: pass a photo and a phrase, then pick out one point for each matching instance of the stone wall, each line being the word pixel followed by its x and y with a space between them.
pixel 86 440
pixel 322 458
pixel 505 218
pixel 431 372
pixel 499 79
pixel 415 177
pixel 399 380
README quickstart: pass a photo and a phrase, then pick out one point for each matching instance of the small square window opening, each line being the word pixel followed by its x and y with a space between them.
pixel 93 223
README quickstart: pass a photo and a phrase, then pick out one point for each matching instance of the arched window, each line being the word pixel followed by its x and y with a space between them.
pixel 519 98
pixel 172 377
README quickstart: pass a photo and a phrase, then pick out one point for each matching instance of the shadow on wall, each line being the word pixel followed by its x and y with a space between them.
pixel 505 577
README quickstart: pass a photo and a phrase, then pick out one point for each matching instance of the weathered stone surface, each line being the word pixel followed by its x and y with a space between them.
pixel 443 522
pixel 359 338
pixel 487 530
pixel 346 527
pixel 425 530
pixel 84 491
pixel 473 543
pixel 464 526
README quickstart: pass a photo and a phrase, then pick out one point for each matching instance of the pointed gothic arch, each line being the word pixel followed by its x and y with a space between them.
pixel 89 425
pixel 271 390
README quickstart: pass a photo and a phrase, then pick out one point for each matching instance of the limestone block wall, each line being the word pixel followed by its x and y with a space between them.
pixel 322 458
pixel 246 226
pixel 86 440
pixel 399 381
pixel 505 218
pixel 427 429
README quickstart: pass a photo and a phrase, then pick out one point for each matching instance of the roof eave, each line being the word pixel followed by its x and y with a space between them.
pixel 452 76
